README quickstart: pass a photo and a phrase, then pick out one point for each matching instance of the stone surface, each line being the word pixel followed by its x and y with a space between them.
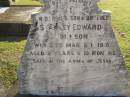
pixel 17 14
pixel 16 20
pixel 13 92
pixel 3 9
pixel 72 50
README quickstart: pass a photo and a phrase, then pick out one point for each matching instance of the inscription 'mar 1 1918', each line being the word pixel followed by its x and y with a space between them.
pixel 72 51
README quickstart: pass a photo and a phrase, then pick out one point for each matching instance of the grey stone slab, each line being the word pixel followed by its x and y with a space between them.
pixel 16 20
pixel 18 14
pixel 13 92
pixel 72 51
pixel 3 9
pixel 14 29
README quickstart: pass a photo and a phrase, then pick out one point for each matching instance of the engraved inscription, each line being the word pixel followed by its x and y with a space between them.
pixel 71 50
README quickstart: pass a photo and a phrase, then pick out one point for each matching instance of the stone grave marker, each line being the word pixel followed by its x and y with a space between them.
pixel 71 50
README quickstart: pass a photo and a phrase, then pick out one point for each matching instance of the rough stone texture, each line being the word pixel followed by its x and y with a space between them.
pixel 17 14
pixel 72 50
pixel 16 20
pixel 13 92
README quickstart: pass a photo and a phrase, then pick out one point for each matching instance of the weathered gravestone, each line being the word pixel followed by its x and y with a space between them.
pixel 71 50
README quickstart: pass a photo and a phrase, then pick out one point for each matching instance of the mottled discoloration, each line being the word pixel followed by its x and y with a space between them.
pixel 72 50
